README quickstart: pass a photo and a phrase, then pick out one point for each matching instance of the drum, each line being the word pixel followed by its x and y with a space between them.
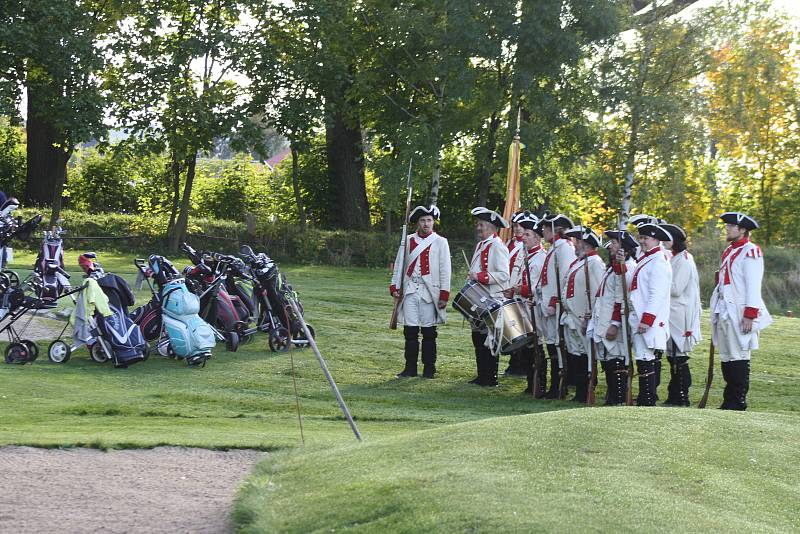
pixel 512 318
pixel 473 300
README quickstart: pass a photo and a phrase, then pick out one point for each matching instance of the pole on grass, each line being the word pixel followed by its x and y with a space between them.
pixel 324 367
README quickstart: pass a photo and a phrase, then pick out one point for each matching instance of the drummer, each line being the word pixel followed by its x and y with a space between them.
pixel 557 261
pixel 489 267
pixel 578 296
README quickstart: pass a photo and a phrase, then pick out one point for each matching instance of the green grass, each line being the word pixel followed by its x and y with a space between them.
pixel 583 470
pixel 434 450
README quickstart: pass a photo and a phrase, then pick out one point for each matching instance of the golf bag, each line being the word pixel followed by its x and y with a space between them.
pixel 119 337
pixel 49 266
pixel 207 278
pixel 190 337
pixel 272 295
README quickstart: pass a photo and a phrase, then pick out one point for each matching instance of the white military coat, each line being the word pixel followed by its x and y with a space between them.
pixel 425 270
pixel 648 292
pixel 684 307
pixel 738 291
pixel 490 263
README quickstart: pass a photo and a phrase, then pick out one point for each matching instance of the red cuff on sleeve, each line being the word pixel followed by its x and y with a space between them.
pixel 648 319
pixel 444 295
pixel 616 315
pixel 553 302
pixel 750 312
pixel 617 268
pixel 392 289
pixel 483 278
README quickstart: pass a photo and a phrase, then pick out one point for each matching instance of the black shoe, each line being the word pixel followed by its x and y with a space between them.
pixel 475 380
pixel 406 374
pixel 429 373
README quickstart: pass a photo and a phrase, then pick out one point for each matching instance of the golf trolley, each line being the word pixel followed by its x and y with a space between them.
pixel 271 297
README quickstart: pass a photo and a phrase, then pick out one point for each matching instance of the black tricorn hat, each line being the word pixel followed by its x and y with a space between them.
pixel 485 214
pixel 624 237
pixel 739 219
pixel 560 220
pixel 584 233
pixel 676 232
pixel 421 211
pixel 529 221
pixel 518 216
pixel 655 231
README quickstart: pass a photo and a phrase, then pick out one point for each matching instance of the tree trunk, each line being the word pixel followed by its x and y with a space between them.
pixel 46 163
pixel 345 156
pixel 301 211
pixel 176 191
pixel 630 162
pixel 55 213
pixel 486 158
pixel 179 231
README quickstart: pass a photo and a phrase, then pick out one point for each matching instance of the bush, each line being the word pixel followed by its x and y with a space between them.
pixel 12 159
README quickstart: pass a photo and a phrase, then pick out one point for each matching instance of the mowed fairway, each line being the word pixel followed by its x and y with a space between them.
pixel 435 451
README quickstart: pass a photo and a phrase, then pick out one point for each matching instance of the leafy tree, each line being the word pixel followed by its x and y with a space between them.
pixel 52 49
pixel 174 89
pixel 12 159
pixel 754 98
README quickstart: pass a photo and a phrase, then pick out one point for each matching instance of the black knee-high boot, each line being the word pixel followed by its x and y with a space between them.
pixel 579 363
pixel 727 393
pixel 552 353
pixel 683 381
pixel 740 380
pixel 411 334
pixel 647 383
pixel 428 351
pixel 619 378
pixel 672 386
pixel 485 360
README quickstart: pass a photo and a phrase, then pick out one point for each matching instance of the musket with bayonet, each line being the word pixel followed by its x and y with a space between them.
pixel 404 247
pixel 626 326
pixel 560 346
pixel 592 371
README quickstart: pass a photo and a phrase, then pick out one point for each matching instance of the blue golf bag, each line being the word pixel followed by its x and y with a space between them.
pixel 190 337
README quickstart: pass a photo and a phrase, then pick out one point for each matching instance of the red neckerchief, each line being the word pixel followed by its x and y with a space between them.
pixel 725 267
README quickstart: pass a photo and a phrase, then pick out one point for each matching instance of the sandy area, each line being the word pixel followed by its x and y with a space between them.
pixel 166 489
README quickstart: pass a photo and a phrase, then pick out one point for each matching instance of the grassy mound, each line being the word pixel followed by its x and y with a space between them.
pixel 621 469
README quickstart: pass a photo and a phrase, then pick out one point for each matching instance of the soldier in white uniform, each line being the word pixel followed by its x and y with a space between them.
pixel 516 251
pixel 738 313
pixel 577 305
pixel 638 220
pixel 534 258
pixel 489 267
pixel 604 329
pixel 684 316
pixel 648 293
pixel 554 272
pixel 426 289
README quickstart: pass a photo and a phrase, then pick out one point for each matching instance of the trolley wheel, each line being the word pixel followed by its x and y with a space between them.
pixel 279 340
pixel 13 278
pixel 232 341
pixel 17 353
pixel 33 348
pixel 59 351
pixel 97 353
pixel 244 338
pixel 145 352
